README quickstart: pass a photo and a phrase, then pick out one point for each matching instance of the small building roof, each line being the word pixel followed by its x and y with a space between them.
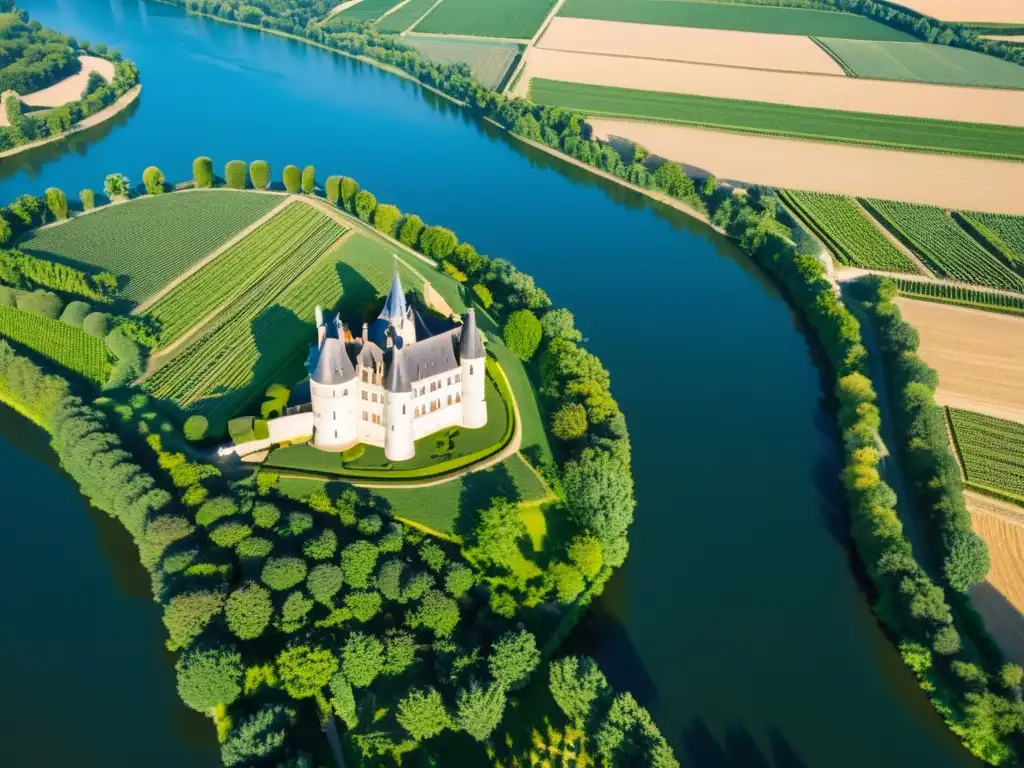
pixel 333 366
pixel 397 379
pixel 395 308
pixel 370 355
pixel 471 346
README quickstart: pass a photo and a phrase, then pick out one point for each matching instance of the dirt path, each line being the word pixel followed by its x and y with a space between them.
pixel 338 9
pixel 392 9
pixel 409 29
pixel 894 240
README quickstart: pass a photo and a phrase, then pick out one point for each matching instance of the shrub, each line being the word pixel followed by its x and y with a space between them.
pixel 409 232
pixel 567 580
pixel 265 514
pixel 195 428
pixel 202 172
pixel 186 615
pixel 116 185
pixel 215 509
pixel 365 204
pixel 459 579
pixel 453 272
pixel 259 174
pixel 522 333
pixel 438 243
pixel 95 324
pixel 585 554
pixel 209 678
pixel 483 293
pixel 88 198
pixel 153 179
pixel 370 525
pixel 332 189
pixel 248 610
pixel 349 190
pixel 292 178
pixel 385 219
pixel 353 453
pixel 57 202
pixel 281 573
pixel 45 304
pixel 299 523
pixel 323 582
pixel 234 174
pixel 322 547
pixel 75 313
pixel 230 534
pixel 254 546
pixel 569 422
pixel 308 179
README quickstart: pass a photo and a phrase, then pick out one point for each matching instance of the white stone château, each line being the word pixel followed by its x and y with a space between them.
pixel 389 388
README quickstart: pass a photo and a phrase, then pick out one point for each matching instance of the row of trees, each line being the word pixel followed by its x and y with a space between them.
pixel 20 270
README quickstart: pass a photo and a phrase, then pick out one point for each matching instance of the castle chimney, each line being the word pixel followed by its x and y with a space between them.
pixel 366 333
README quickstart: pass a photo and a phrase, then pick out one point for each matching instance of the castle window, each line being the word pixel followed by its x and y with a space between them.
pixel 403 412
pixel 449 381
pixel 364 395
pixel 433 386
pixel 345 392
pixel 458 377
pixel 366 416
pixel 373 378
pixel 335 434
pixel 373 397
pixel 334 415
pixel 366 376
pixel 449 399
pixel 458 397
pixel 423 390
pixel 470 369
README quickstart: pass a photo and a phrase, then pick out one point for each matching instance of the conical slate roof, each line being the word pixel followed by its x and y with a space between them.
pixel 471 346
pixel 397 379
pixel 394 308
pixel 334 366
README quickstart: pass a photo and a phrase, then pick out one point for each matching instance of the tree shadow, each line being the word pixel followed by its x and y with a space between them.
pixel 738 750
pixel 478 490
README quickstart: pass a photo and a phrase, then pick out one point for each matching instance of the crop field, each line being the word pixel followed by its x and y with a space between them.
pixel 66 345
pixel 943 246
pixel 841 224
pixel 489 61
pixel 230 275
pixel 404 17
pixel 992 451
pixel 367 10
pixel 984 12
pixel 762 118
pixel 513 19
pixel 924 63
pixel 1006 233
pixel 151 240
pixel 945 293
pixel 742 18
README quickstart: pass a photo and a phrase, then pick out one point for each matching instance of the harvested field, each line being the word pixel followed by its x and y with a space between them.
pixel 510 19
pixel 990 11
pixel 1000 599
pixel 489 61
pixel 924 63
pixel 964 183
pixel 789 53
pixel 979 356
pixel 742 18
pixel 849 94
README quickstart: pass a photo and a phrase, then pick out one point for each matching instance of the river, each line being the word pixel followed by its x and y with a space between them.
pixel 738 619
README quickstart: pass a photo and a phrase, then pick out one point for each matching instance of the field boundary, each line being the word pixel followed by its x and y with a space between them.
pixel 899 244
pixel 469 38
pixel 391 10
pixel 834 56
pixel 412 26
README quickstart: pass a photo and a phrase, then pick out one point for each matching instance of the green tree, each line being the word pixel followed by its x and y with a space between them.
pixel 385 219
pixel 432 555
pixel 409 232
pixel 358 560
pixel 258 736
pixel 436 611
pixel 202 172
pixel 343 702
pixel 209 677
pixel 599 493
pixel 569 422
pixel 576 683
pixel 116 185
pixel 259 174
pixel 629 736
pixel 153 180
pixel 265 514
pixel 321 547
pixel 422 713
pixel 281 573
pixel 513 657
pixel 187 614
pixel 1011 676
pixel 967 560
pixel 57 202
pixel 478 710
pixel 216 508
pixel 399 652
pixel 234 174
pixel 437 243
pixel 362 659
pixel 585 554
pixel 364 205
pixel 332 189
pixel 522 333
pixel 363 604
pixel 308 179
pixel 195 428
pixel 567 581
pixel 669 178
pixel 304 669
pixel 292 178
pixel 459 579
pixel 560 324
pixel 248 611
pixel 946 641
pixel 230 534
pixel 88 198
pixel 495 537
pixel 389 579
pixel 294 611
pixel 323 583
pixel 349 190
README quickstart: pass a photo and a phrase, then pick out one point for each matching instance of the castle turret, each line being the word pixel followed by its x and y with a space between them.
pixel 332 391
pixel 398 410
pixel 472 360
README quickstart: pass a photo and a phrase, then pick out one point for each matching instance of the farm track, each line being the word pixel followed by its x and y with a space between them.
pixel 922 267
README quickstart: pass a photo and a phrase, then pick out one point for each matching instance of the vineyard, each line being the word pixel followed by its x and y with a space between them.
pixel 943 245
pixel 976 298
pixel 992 451
pixel 513 19
pixel 1006 233
pixel 153 239
pixel 66 345
pixel 844 229
pixel 296 235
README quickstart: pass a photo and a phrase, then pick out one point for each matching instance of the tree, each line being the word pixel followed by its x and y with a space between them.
pixel 116 185
pixel 585 554
pixel 358 560
pixel 432 555
pixel 409 232
pixel 947 641
pixel 265 514
pixel 385 219
pixel 187 614
pixel 258 736
pixel 292 178
pixel 437 243
pixel 321 547
pixel 308 179
pixel 248 611
pixel 576 683
pixel 230 534
pixel 323 583
pixel 569 422
pixel 208 678
pixel 522 333
pixel 1010 677
pixel 560 324
pixel 281 573
pixel 202 172
pixel 332 189
pixel 362 659
pixel 669 178
pixel 349 190
pixel 88 199
pixel 967 561
pixel 234 174
pixel 422 713
pixel 599 494
pixel 399 652
pixel 195 428
pixel 629 736
pixel 459 579
pixel 364 205
pixel 304 669
pixel 437 611
pixel 479 710
pixel 567 580
pixel 363 605
pixel 513 657
pixel 153 179
pixel 343 702
pixel 259 174
pixel 57 202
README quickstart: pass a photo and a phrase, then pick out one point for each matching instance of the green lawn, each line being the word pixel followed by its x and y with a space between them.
pixel 743 18
pixel 70 347
pixel 151 240
pixel 910 133
pixel 489 61
pixel 404 17
pixel 514 19
pixel 923 63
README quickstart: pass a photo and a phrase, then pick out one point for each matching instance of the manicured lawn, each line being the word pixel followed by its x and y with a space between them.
pixel 924 63
pixel 762 118
pixel 404 17
pixel 516 19
pixel 489 61
pixel 743 18
pixel 69 347
pixel 149 241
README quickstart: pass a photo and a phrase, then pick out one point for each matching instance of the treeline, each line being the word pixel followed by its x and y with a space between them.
pixel 291 16
pixel 20 270
pixel 33 57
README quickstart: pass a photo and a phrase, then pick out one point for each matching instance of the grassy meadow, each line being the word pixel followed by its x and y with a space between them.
pixel 489 61
pixel 512 19
pixel 734 16
pixel 762 118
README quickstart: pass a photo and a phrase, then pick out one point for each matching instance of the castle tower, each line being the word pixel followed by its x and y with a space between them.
pixel 332 391
pixel 472 359
pixel 396 312
pixel 398 413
